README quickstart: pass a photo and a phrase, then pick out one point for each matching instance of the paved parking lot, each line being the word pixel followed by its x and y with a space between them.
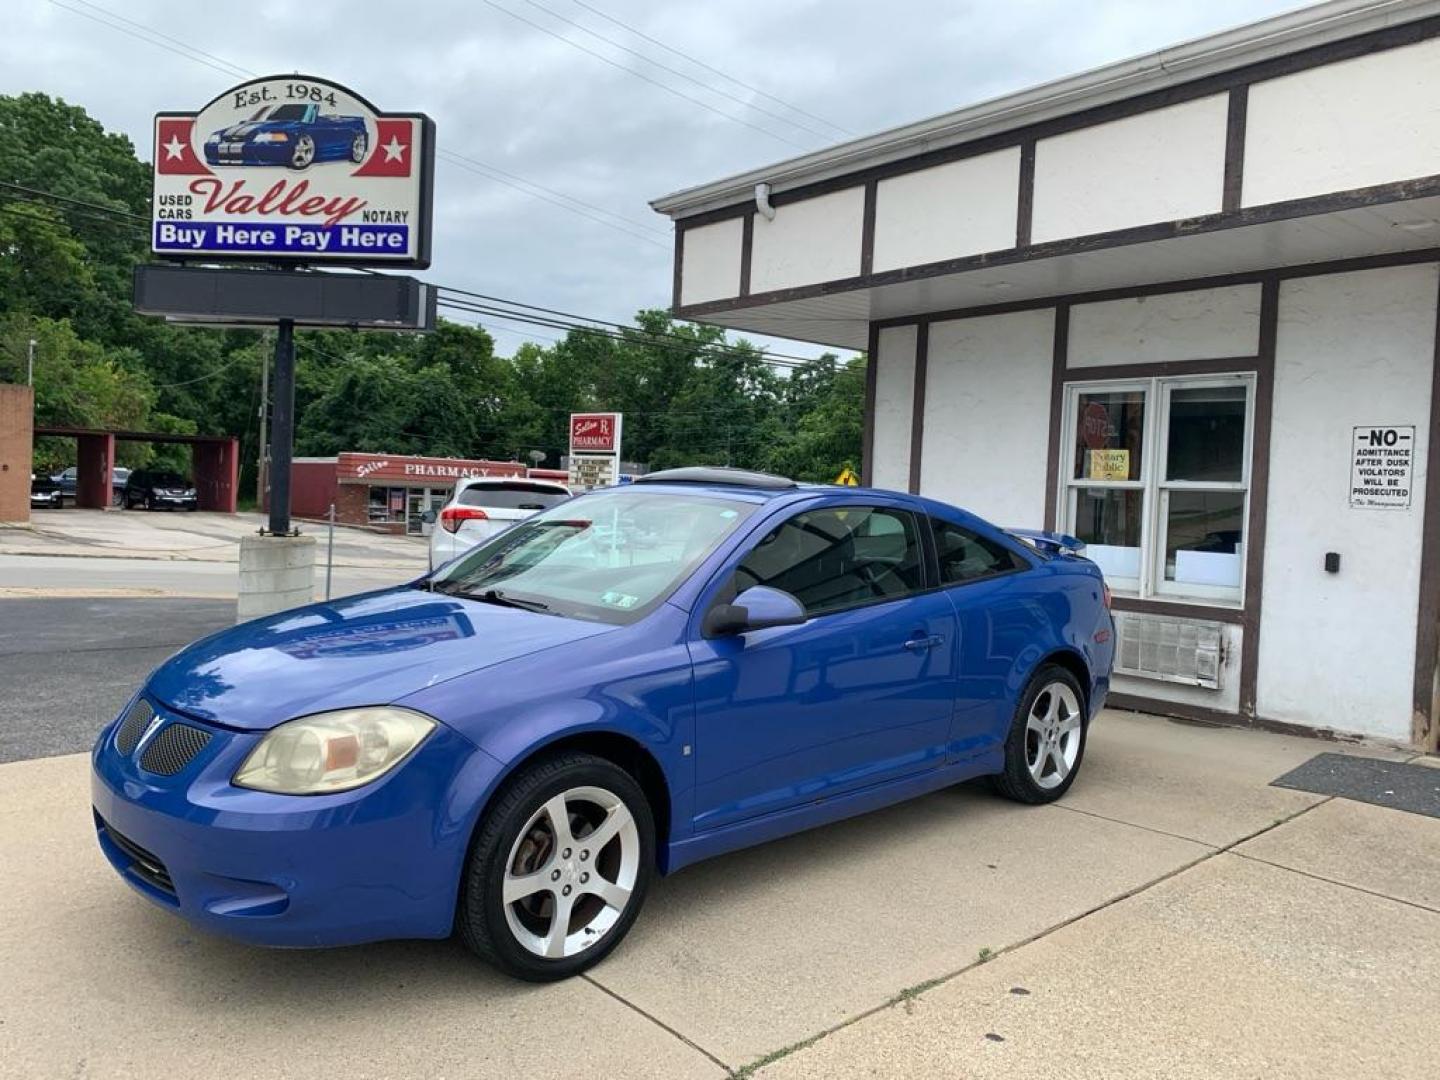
pixel 1174 915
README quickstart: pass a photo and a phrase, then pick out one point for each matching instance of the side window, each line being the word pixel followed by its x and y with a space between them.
pixel 838 558
pixel 965 556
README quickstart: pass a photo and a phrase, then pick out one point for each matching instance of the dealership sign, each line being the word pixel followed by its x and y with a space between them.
pixel 296 169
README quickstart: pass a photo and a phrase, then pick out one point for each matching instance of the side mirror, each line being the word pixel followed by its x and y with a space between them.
pixel 428 517
pixel 757 608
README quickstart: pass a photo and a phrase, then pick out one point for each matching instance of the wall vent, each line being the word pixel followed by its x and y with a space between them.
pixel 1171 650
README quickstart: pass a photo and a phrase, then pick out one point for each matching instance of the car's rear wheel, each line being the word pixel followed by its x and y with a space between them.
pixel 1046 743
pixel 559 868
pixel 303 154
pixel 357 149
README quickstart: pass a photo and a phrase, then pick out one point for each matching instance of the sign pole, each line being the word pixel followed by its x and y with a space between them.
pixel 282 429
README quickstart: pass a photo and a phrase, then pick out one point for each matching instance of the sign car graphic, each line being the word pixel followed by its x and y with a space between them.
pixel 294 168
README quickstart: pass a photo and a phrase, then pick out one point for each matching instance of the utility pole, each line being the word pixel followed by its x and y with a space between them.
pixel 284 429
pixel 263 454
pixel 30 366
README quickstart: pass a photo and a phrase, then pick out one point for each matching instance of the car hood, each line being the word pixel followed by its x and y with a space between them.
pixel 364 650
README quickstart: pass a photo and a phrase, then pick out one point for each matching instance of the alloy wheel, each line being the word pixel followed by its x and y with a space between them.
pixel 304 152
pixel 357 149
pixel 571 872
pixel 1052 735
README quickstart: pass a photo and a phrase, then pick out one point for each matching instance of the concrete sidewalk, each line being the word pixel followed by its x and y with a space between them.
pixel 201 536
pixel 1173 916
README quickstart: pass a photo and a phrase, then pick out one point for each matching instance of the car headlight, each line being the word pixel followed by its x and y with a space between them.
pixel 333 751
pixel 272 136
pixel 213 139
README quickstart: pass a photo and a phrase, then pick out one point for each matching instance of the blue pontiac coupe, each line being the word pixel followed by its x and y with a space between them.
pixel 623 684
pixel 296 136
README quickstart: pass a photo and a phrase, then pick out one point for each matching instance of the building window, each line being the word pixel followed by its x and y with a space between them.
pixel 1157 481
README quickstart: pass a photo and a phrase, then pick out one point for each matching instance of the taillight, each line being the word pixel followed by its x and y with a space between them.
pixel 452 517
pixel 1106 587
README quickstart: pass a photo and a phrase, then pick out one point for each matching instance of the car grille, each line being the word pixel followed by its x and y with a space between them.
pixel 143 865
pixel 127 736
pixel 172 748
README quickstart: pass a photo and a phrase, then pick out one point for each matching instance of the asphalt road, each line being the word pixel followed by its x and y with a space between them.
pixel 68 665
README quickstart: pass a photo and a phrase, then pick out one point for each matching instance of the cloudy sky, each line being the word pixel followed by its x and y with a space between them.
pixel 565 147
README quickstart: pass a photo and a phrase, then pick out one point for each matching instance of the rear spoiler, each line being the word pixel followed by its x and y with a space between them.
pixel 1051 543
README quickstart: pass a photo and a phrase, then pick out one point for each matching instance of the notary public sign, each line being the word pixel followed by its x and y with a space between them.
pixel 297 169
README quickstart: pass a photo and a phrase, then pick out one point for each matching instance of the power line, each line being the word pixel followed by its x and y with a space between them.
pixel 701 63
pixel 75 202
pixel 676 72
pixel 641 75
pixel 456 298
pixel 626 228
pixel 232 70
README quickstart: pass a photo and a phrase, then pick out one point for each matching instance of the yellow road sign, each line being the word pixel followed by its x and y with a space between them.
pixel 848 478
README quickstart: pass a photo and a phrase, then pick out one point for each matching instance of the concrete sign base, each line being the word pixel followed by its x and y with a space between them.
pixel 276 573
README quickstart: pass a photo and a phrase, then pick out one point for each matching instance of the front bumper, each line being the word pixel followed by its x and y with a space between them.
pixel 243 152
pixel 382 861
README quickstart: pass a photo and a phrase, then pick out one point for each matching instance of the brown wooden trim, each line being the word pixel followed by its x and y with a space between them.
pixel 1162 369
pixel 1357 198
pixel 1177 609
pixel 1235 148
pixel 1425 719
pixel 1026 204
pixel 1317 56
pixel 917 414
pixel 1059 357
pixel 872 378
pixel 1215 281
pixel 867 229
pixel 747 248
pixel 1204 714
pixel 679 269
pixel 1259 496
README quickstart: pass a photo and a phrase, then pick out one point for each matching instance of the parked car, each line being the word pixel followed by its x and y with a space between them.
pixel 45 493
pixel 482 506
pixel 68 479
pixel 515 744
pixel 293 135
pixel 157 489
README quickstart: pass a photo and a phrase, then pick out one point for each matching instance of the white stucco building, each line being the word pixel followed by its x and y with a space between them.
pixel 1183 307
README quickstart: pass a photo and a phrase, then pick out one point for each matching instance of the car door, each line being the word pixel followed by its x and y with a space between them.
pixel 860 694
pixel 1001 615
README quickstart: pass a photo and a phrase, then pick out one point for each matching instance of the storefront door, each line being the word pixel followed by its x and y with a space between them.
pixel 417 501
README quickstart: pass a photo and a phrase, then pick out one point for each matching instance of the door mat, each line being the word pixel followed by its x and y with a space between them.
pixel 1413 788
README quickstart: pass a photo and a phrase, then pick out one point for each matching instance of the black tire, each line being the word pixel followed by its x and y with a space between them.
pixel 1017 782
pixel 150 503
pixel 358 146
pixel 480 914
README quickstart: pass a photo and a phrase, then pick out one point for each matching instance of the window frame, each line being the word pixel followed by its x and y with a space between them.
pixel 1153 484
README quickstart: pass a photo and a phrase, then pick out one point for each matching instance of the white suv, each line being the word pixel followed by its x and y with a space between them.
pixel 482 506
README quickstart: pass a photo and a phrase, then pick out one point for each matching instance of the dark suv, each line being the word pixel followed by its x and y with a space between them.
pixel 156 490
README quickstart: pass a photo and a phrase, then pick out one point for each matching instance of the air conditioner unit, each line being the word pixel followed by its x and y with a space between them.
pixel 1172 650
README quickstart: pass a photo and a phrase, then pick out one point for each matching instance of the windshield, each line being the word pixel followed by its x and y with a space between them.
pixel 168 479
pixel 288 112
pixel 513 496
pixel 610 556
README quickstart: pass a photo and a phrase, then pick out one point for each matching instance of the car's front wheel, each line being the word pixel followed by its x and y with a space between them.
pixel 559 868
pixel 1047 738
pixel 303 154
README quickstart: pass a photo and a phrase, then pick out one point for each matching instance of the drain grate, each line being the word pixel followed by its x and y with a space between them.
pixel 1413 788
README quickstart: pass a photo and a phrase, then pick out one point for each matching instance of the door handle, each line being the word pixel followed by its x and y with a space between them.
pixel 920 644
